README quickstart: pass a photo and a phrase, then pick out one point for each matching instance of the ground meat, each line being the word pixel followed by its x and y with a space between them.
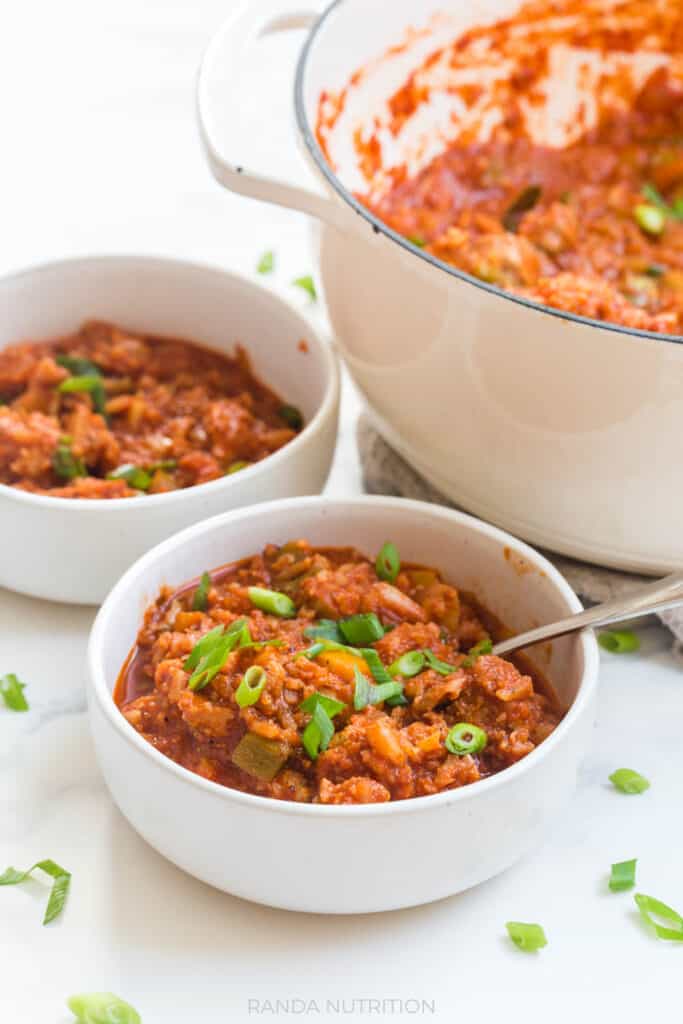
pixel 376 752
pixel 176 413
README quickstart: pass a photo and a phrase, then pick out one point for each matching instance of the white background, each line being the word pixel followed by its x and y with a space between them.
pixel 100 154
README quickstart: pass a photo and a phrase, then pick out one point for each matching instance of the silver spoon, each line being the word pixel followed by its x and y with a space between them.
pixel 654 597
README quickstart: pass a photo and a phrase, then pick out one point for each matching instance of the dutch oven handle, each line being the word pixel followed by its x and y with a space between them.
pixel 238 35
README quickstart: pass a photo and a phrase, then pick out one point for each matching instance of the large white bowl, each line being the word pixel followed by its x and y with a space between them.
pixel 346 859
pixel 564 430
pixel 74 550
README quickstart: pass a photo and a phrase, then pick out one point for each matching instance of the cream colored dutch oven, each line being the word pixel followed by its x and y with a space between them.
pixel 564 430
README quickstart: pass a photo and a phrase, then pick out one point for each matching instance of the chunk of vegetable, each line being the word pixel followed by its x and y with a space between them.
pixel 260 757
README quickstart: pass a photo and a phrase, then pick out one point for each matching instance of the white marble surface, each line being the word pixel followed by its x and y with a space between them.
pixel 100 153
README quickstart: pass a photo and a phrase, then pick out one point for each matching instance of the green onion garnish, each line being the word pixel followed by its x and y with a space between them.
pixel 374 663
pixel 365 692
pixel 65 464
pixel 208 656
pixel 307 284
pixel 204 646
pixel 484 646
pixel 628 781
pixel 78 367
pixel 200 600
pixel 58 892
pixel 655 270
pixel 310 652
pixel 330 704
pixel 324 629
pixel 251 686
pixel 138 478
pixel 235 467
pixel 465 738
pixel 623 876
pixel 163 464
pixel 408 665
pixel 292 416
pixel 12 692
pixel 388 563
pixel 362 629
pixel 527 937
pixel 650 219
pixel 102 1008
pixel 650 909
pixel 525 201
pixel 417 240
pixel 442 667
pixel 266 264
pixel 273 602
pixel 619 641
pixel 87 382
pixel 320 730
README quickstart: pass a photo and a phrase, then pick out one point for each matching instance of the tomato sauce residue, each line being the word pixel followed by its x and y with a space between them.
pixel 558 174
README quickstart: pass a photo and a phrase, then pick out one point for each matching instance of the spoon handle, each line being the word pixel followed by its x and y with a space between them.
pixel 653 597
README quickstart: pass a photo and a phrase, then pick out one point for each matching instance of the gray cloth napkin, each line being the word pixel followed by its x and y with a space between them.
pixel 386 472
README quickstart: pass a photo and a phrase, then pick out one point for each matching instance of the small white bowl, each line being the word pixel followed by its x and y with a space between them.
pixel 349 859
pixel 74 550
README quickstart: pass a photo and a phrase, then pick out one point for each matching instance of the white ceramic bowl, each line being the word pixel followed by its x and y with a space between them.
pixel 74 550
pixel 350 859
pixel 590 409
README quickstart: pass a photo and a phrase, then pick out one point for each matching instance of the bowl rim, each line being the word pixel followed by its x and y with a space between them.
pixel 260 292
pixel 100 692
pixel 315 153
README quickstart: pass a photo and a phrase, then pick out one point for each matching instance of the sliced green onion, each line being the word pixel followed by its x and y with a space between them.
pixel 102 1008
pixel 78 367
pixel 330 704
pixel 483 647
pixel 374 663
pixel 87 382
pixel 209 654
pixel 655 270
pixel 200 600
pixel 417 240
pixel 273 602
pixel 266 264
pixel 138 478
pixel 310 652
pixel 442 667
pixel 628 781
pixel 292 416
pixel 623 875
pixel 408 665
pixel 204 646
pixel 163 464
pixel 361 629
pixel 65 464
pixel 465 738
pixel 235 467
pixel 306 283
pixel 651 909
pixel 388 562
pixel 324 629
pixel 526 200
pixel 365 692
pixel 650 219
pixel 12 692
pixel 320 730
pixel 619 642
pixel 251 686
pixel 58 892
pixel 527 937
